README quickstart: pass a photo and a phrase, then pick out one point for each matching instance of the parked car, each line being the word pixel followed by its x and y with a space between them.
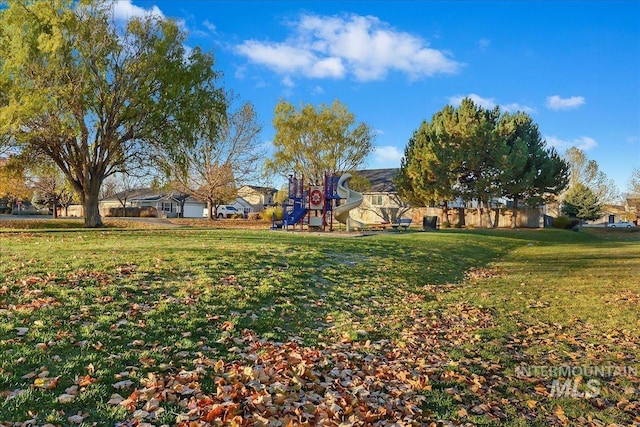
pixel 621 224
pixel 227 211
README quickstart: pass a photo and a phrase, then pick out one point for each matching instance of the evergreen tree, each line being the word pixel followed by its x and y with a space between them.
pixel 582 203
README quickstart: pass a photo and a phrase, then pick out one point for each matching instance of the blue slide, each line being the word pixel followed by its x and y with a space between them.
pixel 295 216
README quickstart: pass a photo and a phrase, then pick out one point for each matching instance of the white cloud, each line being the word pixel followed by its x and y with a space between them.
pixel 490 103
pixel 487 103
pixel 288 82
pixel 210 26
pixel 584 143
pixel 483 44
pixel 386 156
pixel 360 46
pixel 556 103
pixel 124 10
pixel 513 107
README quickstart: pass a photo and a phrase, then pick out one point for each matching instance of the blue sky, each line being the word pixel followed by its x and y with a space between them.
pixel 573 66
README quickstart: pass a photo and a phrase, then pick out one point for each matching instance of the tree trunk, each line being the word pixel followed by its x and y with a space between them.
pixel 487 212
pixel 461 218
pixel 445 212
pixel 514 217
pixel 55 209
pixel 92 217
pixel 496 220
pixel 212 213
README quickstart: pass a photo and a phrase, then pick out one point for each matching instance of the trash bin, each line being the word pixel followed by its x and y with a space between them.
pixel 429 222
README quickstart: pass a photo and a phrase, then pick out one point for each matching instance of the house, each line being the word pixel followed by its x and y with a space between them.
pixel 172 204
pixel 381 202
pixel 252 198
pixel 159 203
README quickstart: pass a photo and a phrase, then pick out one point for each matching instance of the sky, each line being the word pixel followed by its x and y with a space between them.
pixel 573 66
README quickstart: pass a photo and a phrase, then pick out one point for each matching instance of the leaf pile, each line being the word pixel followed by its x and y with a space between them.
pixel 345 383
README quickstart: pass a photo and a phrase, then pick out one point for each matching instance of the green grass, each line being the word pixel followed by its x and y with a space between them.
pixel 83 310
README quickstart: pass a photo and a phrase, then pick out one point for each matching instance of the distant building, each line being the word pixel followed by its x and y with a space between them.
pixel 381 202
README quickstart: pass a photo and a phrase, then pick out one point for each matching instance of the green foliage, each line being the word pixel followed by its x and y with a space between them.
pixel 565 222
pixel 582 203
pixel 529 170
pixel 95 101
pixel 479 154
pixel 314 141
pixel 268 213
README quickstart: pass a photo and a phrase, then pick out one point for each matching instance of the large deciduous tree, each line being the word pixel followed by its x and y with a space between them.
pixel 314 141
pixel 587 172
pixel 94 96
pixel 220 163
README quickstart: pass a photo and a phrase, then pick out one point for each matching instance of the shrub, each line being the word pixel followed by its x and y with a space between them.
pixel 254 216
pixel 445 224
pixel 147 212
pixel 267 214
pixel 566 222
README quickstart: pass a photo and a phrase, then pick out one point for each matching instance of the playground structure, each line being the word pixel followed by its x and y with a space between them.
pixel 353 200
pixel 316 206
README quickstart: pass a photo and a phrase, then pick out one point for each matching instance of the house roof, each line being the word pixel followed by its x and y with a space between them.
pixel 381 179
pixel 146 195
pixel 263 190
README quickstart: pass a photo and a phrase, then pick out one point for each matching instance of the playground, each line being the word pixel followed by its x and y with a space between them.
pixel 314 207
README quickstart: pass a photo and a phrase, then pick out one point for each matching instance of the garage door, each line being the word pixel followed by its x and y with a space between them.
pixel 193 211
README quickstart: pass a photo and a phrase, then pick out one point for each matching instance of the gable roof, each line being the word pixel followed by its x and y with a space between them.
pixel 381 179
pixel 264 190
pixel 146 195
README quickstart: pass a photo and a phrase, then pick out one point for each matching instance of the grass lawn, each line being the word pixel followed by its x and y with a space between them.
pixel 195 327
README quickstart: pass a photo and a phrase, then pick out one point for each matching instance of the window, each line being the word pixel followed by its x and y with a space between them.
pixel 376 200
pixel 167 206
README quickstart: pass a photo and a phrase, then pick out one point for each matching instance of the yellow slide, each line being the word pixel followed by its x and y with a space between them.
pixel 354 199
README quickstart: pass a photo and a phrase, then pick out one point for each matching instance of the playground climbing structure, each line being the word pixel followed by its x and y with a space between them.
pixel 318 205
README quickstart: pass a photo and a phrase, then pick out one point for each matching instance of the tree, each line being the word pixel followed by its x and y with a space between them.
pixel 634 183
pixel 480 154
pixel 479 170
pixel 455 155
pixel 313 141
pixel 51 189
pixel 219 165
pixel 14 184
pixel 588 173
pixel 120 185
pixel 582 203
pixel 529 170
pixel 93 97
pixel 428 169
